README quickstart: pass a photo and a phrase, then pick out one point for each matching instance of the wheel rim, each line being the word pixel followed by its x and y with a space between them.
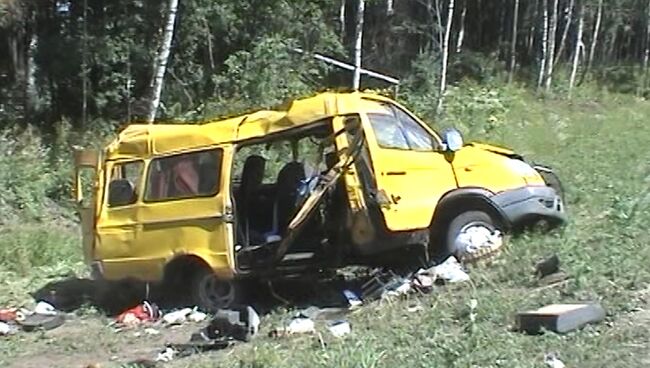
pixel 215 293
pixel 477 238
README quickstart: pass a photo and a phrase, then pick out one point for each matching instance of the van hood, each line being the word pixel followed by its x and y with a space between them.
pixel 495 149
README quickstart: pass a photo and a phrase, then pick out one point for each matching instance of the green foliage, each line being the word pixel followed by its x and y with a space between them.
pixel 24 248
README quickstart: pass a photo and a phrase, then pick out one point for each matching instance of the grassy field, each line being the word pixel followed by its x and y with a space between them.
pixel 601 149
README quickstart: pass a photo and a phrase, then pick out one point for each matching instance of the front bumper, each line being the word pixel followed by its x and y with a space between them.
pixel 531 203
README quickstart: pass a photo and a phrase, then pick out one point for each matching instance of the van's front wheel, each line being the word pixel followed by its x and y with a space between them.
pixel 211 293
pixel 472 235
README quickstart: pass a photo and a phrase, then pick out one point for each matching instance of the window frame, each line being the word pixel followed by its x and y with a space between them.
pixel 109 180
pixel 215 192
pixel 394 108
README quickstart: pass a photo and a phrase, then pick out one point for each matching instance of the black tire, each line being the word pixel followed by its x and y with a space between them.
pixel 458 224
pixel 210 293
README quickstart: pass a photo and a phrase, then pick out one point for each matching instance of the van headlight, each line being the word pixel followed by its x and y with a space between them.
pixel 522 168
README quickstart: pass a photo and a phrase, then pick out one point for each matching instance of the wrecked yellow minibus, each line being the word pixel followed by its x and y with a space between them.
pixel 319 183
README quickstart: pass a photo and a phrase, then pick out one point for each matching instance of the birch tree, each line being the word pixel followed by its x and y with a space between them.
pixel 552 33
pixel 568 18
pixel 358 43
pixel 445 55
pixel 544 44
pixel 461 32
pixel 342 20
pixel 594 37
pixel 578 48
pixel 513 41
pixel 646 51
pixel 161 61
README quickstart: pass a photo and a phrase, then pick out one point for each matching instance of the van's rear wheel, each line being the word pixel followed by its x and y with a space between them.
pixel 211 293
pixel 472 235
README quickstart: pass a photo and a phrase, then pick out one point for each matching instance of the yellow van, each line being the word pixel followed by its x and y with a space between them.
pixel 316 184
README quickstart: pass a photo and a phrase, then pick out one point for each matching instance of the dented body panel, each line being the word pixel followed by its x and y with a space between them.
pixel 168 191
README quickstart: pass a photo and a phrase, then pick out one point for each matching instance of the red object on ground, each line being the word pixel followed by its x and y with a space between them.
pixel 8 315
pixel 145 312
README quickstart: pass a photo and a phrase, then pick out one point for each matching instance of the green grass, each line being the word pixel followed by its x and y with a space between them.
pixel 600 147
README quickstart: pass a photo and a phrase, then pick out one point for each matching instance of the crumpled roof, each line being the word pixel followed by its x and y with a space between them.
pixel 145 140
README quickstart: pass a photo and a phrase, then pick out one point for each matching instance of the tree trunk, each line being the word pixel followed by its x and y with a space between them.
pixel 84 67
pixel 513 42
pixel 342 20
pixel 594 38
pixel 461 32
pixel 358 44
pixel 544 45
pixel 646 51
pixel 578 48
pixel 445 55
pixel 552 34
pixel 568 19
pixel 161 61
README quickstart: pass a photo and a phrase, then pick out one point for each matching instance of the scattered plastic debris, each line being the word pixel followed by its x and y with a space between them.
pixel 8 315
pixel 450 271
pixel 197 316
pixel 5 329
pixel 167 355
pixel 552 361
pixel 177 317
pixel 45 309
pixel 478 242
pixel 352 298
pixel 238 324
pixel 559 318
pixel 142 313
pixel 340 328
pixel 300 326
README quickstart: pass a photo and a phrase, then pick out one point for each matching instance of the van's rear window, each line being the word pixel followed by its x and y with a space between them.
pixel 186 175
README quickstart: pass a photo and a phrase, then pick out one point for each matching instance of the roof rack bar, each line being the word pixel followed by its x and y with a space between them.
pixel 347 66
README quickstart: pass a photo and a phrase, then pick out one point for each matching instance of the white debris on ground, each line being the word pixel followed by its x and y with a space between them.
pixel 166 356
pixel 552 361
pixel 340 328
pixel 478 241
pixel 450 271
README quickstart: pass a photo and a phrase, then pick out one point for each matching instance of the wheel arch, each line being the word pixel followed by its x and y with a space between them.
pixel 183 266
pixel 461 200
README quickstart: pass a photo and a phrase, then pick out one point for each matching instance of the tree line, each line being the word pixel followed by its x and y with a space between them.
pixel 95 62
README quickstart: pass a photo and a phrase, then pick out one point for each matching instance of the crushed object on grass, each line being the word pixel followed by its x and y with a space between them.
pixel 552 361
pixel 238 324
pixel 8 314
pixel 45 309
pixel 197 316
pixel 559 318
pixel 142 313
pixel 450 271
pixel 177 317
pixel 6 329
pixel 40 322
pixel 547 266
pixel 167 355
pixel 352 298
pixel 340 328
pixel 479 242
pixel 300 326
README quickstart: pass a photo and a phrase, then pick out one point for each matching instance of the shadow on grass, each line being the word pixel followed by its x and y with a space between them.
pixel 114 297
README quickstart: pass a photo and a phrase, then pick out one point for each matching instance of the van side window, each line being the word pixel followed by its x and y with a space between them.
pixel 396 129
pixel 124 183
pixel 187 175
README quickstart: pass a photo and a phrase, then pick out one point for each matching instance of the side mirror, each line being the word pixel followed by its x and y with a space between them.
pixel 120 193
pixel 452 139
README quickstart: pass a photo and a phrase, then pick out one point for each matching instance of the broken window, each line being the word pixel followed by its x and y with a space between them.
pixel 395 129
pixel 187 175
pixel 124 183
